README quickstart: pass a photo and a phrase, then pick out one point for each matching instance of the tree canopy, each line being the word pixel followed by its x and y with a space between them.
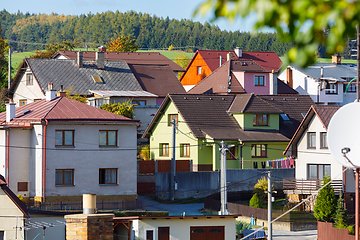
pixel 51 48
pixel 4 66
pixel 122 44
pixel 309 24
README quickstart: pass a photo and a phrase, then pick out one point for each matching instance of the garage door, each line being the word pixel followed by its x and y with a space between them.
pixel 207 233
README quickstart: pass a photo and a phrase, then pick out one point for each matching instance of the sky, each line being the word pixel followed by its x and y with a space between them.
pixel 182 9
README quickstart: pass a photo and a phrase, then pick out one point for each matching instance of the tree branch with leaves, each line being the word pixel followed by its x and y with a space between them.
pixel 122 44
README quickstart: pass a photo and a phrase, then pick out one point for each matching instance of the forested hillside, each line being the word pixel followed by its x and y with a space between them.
pixel 150 32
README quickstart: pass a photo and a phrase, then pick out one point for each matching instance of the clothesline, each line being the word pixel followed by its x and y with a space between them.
pixel 287 162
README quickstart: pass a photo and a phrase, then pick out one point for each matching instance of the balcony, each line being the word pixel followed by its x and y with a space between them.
pixel 301 186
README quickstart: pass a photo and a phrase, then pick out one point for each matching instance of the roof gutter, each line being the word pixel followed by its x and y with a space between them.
pixel 44 161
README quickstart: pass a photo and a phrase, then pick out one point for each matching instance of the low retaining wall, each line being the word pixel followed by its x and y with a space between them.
pixel 326 231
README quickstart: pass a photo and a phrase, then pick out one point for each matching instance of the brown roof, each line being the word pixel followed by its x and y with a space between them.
pixel 206 115
pixel 128 57
pixel 61 109
pixel 22 206
pixel 157 79
pixel 119 219
pixel 250 103
pixel 283 88
pixel 323 112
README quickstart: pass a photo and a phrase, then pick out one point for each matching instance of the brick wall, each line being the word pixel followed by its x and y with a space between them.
pixel 89 226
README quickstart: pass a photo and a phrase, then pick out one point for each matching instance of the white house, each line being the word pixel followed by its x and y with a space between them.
pixel 220 227
pixel 313 159
pixel 326 83
pixel 13 213
pixel 59 147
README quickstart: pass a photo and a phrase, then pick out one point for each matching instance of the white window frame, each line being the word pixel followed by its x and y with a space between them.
pixel 146 230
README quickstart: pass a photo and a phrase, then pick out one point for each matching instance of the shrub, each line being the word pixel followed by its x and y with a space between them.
pixel 325 206
pixel 261 188
pixel 241 226
pixel 340 220
pixel 255 201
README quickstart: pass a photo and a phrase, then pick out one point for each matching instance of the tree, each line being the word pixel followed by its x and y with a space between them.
pixel 325 206
pixel 4 66
pixel 74 95
pixel 125 109
pixel 51 48
pixel 182 61
pixel 255 201
pixel 307 23
pixel 122 44
pixel 261 188
pixel 340 220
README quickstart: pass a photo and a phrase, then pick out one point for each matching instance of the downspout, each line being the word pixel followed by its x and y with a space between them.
pixel 44 160
pixel 7 155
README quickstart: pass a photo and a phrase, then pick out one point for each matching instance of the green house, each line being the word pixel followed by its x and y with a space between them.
pixel 256 128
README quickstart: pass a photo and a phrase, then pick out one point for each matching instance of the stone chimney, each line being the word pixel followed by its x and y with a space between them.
pixel 229 56
pixel 50 93
pixel 238 52
pixel 99 59
pixel 80 61
pixel 10 111
pixel 61 93
pixel 102 49
pixel 336 59
pixel 273 83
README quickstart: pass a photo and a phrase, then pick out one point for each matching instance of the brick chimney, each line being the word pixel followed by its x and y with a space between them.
pixel 238 52
pixel 80 62
pixel 289 77
pixel 336 59
pixel 99 59
pixel 10 111
pixel 102 49
pixel 61 93
pixel 50 93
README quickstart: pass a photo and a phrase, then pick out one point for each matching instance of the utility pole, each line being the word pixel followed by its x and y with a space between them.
pixel 9 71
pixel 173 164
pixel 269 207
pixel 223 179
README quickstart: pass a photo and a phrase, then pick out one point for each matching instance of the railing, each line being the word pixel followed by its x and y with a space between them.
pixel 100 205
pixel 310 185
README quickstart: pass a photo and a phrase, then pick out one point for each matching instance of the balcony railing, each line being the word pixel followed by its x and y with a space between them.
pixel 311 185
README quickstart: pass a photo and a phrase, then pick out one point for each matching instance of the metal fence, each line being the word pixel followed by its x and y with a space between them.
pixel 100 205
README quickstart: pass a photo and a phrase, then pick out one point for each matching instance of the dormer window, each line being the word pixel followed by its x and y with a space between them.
pixel 29 79
pixel 260 120
pixel 285 117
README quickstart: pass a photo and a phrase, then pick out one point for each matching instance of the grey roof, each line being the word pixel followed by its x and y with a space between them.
pixel 123 93
pixel 117 75
pixel 336 72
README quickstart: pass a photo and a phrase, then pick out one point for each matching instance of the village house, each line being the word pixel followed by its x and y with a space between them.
pixel 255 127
pixel 58 148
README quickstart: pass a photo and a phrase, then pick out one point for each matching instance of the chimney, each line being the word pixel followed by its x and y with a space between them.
pixel 229 56
pixel 89 203
pixel 50 93
pixel 10 111
pixel 102 49
pixel 289 77
pixel 220 60
pixel 80 59
pixel 238 52
pixel 61 93
pixel 273 83
pixel 336 59
pixel 99 59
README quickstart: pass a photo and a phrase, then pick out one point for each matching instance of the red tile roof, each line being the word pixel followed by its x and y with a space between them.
pixel 268 60
pixel 61 109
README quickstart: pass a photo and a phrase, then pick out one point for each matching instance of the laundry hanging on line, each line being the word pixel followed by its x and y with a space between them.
pixel 287 162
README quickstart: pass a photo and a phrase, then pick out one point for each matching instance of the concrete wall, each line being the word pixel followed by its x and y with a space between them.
pixel 202 184
pixel 180 228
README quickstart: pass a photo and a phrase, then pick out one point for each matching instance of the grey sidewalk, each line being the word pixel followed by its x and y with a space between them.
pixel 285 235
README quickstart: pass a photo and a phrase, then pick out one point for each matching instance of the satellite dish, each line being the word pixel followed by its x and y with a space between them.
pixel 344 135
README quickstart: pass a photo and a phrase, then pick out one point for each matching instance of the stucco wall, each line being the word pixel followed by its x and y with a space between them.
pixel 247 80
pixel 180 228
pixel 3 152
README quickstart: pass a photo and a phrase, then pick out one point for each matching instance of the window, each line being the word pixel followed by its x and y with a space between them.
pixel 22 186
pixel 97 79
pixel 22 103
pixel 199 68
pixel 185 150
pixel 350 87
pixel 318 171
pixel 164 149
pixel 64 137
pixel 323 140
pixel 107 138
pixel 64 177
pixel 149 234
pixel 259 81
pixel 258 150
pixel 29 79
pixel 139 102
pixel 231 153
pixel 260 120
pixel 107 175
pixel 332 89
pixel 172 117
pixel 311 140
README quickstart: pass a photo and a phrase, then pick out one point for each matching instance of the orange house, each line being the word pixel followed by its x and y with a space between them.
pixel 204 62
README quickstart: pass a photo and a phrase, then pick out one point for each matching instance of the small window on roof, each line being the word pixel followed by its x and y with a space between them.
pixel 285 117
pixel 97 79
pixel 303 114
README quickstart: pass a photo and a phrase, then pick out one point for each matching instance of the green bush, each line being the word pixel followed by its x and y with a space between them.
pixel 340 220
pixel 241 226
pixel 325 206
pixel 255 201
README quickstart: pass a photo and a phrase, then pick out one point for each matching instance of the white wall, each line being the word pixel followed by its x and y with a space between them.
pixel 3 152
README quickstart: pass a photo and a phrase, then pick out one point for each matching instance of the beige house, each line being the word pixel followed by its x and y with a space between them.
pixel 220 227
pixel 13 213
pixel 58 148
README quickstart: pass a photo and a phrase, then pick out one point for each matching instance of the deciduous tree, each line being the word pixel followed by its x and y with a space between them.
pixel 122 44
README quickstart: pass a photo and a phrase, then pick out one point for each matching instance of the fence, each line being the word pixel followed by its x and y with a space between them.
pixel 149 166
pixel 100 205
pixel 310 185
pixel 326 231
